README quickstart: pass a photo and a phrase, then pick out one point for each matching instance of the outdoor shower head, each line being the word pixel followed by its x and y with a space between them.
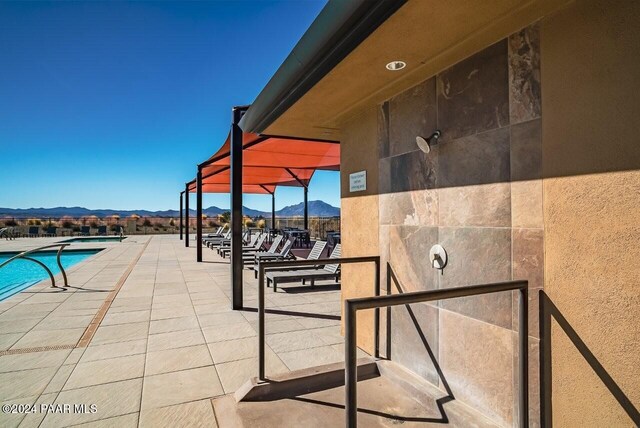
pixel 425 143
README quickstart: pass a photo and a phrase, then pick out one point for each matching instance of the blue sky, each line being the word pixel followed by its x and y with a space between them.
pixel 111 104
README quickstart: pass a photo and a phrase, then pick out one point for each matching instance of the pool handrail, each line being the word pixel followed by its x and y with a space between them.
pixel 23 255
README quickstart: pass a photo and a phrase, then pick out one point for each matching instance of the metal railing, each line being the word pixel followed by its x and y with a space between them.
pixel 351 306
pixel 264 266
pixel 24 255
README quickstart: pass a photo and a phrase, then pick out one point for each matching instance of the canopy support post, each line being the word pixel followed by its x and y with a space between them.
pixel 236 208
pixel 186 215
pixel 199 215
pixel 306 208
pixel 273 210
pixel 181 213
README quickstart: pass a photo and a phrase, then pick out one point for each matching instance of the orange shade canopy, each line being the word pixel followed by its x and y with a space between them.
pixel 269 161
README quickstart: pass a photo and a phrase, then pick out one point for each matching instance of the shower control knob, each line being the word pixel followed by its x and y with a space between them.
pixel 438 257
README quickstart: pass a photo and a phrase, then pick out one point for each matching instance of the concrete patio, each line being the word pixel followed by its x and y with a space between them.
pixel 147 335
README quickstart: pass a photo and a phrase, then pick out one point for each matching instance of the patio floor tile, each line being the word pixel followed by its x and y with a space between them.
pixel 171 360
pixel 180 387
pixel 175 339
pixel 111 399
pixel 193 414
pixel 113 350
pixel 104 371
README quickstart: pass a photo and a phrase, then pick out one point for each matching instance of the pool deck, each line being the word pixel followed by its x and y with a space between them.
pixel 147 335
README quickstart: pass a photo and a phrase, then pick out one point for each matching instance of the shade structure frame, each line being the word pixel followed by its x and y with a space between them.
pixel 266 162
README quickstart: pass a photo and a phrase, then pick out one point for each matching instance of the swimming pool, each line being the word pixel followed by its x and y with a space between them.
pixel 21 274
pixel 95 239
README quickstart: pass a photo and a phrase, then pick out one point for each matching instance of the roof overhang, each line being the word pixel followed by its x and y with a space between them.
pixel 340 83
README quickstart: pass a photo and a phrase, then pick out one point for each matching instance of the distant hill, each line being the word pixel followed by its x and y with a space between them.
pixel 316 209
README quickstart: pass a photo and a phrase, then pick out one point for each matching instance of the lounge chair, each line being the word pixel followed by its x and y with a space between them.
pixel 273 249
pixel 331 271
pixel 6 234
pixel 102 230
pixel 218 233
pixel 85 231
pixel 209 242
pixel 34 232
pixel 314 254
pixel 254 245
pixel 227 242
pixel 284 254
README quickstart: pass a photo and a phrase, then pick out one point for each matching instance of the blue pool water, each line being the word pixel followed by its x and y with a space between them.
pixel 20 274
pixel 95 239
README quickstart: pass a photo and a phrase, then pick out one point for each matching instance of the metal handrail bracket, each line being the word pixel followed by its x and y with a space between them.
pixel 351 306
pixel 262 267
pixel 24 255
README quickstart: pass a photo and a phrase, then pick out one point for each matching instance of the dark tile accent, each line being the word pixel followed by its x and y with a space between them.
pixel 412 113
pixel 477 361
pixel 524 75
pixel 383 130
pixel 413 171
pixel 409 255
pixel 526 151
pixel 414 331
pixel 486 205
pixel 384 175
pixel 477 159
pixel 417 208
pixel 473 95
pixel 478 256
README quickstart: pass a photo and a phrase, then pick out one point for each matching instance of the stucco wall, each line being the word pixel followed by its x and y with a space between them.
pixel 591 163
pixel 359 215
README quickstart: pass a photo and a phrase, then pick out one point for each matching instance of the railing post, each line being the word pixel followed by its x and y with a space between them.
pixel 64 274
pixel 261 331
pixel 376 316
pixel 545 361
pixel 351 369
pixel 523 338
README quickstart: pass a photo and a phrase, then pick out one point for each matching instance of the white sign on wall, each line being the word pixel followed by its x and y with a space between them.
pixel 358 181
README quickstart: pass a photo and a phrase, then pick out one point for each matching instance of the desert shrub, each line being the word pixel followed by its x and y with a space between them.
pixel 213 223
pixel 157 225
pixel 172 223
pixel 67 224
pixel 249 223
pixel 94 224
pixel 146 222
pixel 10 222
pixel 262 223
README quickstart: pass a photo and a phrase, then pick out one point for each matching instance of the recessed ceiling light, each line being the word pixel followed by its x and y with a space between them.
pixel 396 65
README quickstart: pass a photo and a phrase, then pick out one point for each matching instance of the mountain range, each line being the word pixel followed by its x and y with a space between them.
pixel 316 209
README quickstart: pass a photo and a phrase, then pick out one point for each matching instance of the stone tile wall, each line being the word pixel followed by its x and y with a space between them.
pixel 479 194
